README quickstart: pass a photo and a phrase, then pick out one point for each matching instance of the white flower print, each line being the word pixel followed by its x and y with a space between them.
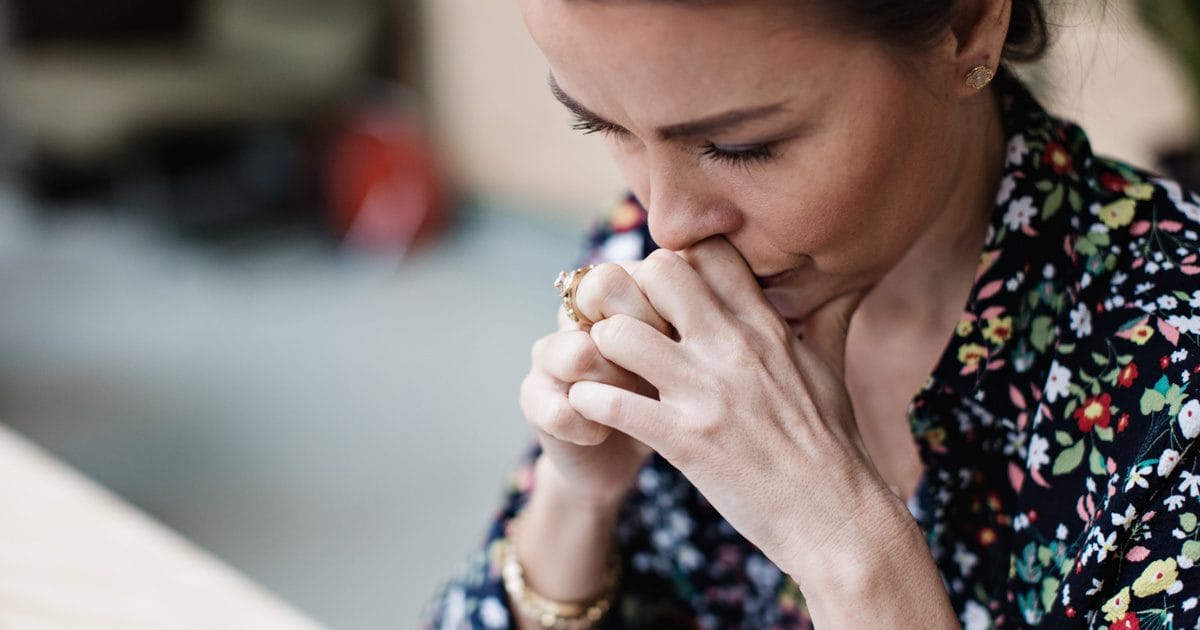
pixel 1125 520
pixel 1190 483
pixel 1190 209
pixel 1138 478
pixel 1106 545
pixel 1061 532
pixel 1006 187
pixel 1166 462
pixel 1020 522
pixel 1189 603
pixel 1143 287
pixel 965 559
pixel 1189 418
pixel 1151 267
pixel 1167 302
pixel 493 613
pixel 1081 320
pixel 1058 383
pixel 1119 278
pixel 1016 150
pixel 976 617
pixel 1038 452
pixel 1173 502
pixel 1194 302
pixel 1020 213
pixel 1179 355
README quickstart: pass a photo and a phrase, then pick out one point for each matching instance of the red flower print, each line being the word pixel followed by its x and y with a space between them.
pixel 1123 422
pixel 1112 182
pixel 1127 375
pixel 1128 622
pixel 1057 158
pixel 1164 361
pixel 1095 411
pixel 987 536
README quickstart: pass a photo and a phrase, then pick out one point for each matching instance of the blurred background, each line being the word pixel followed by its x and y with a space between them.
pixel 270 269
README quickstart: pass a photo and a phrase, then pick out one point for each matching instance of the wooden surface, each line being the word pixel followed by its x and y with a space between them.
pixel 72 555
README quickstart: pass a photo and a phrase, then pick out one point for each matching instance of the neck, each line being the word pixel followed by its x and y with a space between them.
pixel 926 291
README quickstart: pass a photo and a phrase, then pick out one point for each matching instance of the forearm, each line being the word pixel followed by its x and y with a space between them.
pixel 879 575
pixel 563 542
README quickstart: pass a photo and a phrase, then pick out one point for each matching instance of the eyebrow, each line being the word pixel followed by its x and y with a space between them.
pixel 709 125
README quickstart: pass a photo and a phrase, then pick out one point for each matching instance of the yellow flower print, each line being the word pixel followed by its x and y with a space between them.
pixel 1118 213
pixel 1159 575
pixel 970 355
pixel 1141 334
pixel 998 330
pixel 1141 191
pixel 965 326
pixel 1116 607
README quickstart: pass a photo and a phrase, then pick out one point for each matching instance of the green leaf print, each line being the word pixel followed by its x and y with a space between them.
pixel 1187 522
pixel 1053 202
pixel 1104 433
pixel 1049 592
pixel 1096 462
pixel 1099 359
pixel 1152 401
pixel 1191 549
pixel 1063 438
pixel 1069 459
pixel 1041 332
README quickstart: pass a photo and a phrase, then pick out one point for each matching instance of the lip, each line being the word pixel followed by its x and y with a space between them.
pixel 773 279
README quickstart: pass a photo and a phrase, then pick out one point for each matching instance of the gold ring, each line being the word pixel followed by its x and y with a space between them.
pixel 566 283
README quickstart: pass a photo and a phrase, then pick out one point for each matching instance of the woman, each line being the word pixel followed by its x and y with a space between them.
pixel 828 184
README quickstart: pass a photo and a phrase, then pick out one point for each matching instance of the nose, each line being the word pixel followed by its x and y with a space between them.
pixel 686 208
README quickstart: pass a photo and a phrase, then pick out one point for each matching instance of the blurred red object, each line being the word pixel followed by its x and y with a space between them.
pixel 386 192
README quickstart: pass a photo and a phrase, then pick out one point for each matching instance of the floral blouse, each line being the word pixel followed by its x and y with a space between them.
pixel 1062 481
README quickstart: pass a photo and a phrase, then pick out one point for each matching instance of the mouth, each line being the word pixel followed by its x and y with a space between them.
pixel 765 282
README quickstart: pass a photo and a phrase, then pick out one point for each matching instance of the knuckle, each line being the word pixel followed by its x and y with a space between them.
pixel 605 282
pixel 581 356
pixel 658 263
pixel 560 419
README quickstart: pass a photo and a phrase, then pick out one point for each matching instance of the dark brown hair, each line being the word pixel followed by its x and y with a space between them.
pixel 915 24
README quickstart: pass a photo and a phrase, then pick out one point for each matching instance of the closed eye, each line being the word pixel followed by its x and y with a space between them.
pixel 594 125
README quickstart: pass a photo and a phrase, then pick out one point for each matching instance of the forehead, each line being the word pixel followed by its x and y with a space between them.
pixel 659 62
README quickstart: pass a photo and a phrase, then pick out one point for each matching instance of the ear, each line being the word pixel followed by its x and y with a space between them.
pixel 978 33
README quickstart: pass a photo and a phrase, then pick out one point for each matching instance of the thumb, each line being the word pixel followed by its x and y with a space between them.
pixel 826 328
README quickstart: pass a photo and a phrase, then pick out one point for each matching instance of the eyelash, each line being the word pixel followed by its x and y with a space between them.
pixel 740 157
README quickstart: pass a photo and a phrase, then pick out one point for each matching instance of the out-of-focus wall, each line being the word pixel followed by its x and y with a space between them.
pixel 509 140
pixel 505 137
pixel 1106 73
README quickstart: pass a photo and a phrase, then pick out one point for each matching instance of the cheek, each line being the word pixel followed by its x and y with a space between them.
pixel 844 201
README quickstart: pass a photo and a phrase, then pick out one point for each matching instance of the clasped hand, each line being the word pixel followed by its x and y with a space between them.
pixel 689 359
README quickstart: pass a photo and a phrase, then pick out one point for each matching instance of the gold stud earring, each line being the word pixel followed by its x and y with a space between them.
pixel 979 76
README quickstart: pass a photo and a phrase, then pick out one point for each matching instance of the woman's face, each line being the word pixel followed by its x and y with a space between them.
pixel 821 157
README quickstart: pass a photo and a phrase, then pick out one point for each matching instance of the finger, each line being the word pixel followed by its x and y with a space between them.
pixel 545 405
pixel 644 419
pixel 572 355
pixel 825 330
pixel 609 290
pixel 726 273
pixel 678 293
pixel 633 345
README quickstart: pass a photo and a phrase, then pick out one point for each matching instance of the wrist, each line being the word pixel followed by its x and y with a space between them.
pixel 880 556
pixel 551 486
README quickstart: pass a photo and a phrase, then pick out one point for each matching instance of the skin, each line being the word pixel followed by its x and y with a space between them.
pixel 742 350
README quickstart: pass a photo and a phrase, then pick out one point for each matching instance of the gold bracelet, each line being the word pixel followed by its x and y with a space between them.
pixel 547 612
